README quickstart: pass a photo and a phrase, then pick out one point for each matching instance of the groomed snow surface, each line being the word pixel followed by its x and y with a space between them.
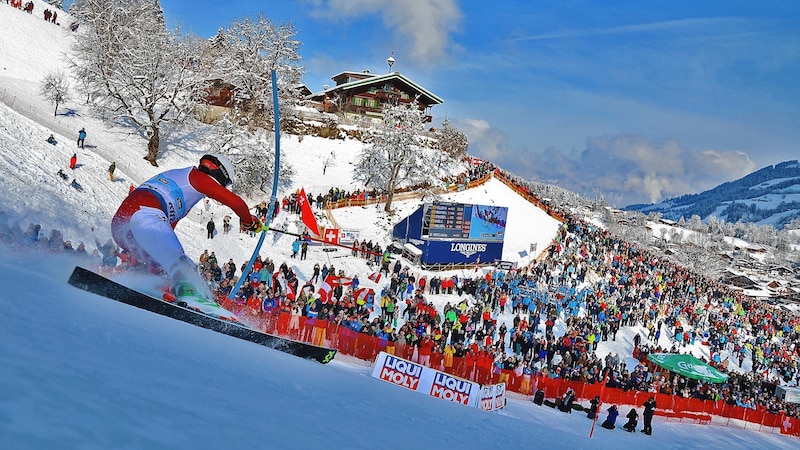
pixel 78 371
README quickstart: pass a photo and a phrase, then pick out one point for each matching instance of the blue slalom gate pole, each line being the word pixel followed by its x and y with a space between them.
pixel 271 210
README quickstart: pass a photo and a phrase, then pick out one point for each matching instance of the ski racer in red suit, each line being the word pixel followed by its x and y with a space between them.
pixel 144 223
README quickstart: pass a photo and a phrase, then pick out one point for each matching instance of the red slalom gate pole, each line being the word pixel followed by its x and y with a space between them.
pixel 599 404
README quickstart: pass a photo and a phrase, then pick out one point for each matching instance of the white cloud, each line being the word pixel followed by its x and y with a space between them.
pixel 634 169
pixel 425 25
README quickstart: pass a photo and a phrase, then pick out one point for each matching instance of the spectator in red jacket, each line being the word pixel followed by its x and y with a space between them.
pixel 425 348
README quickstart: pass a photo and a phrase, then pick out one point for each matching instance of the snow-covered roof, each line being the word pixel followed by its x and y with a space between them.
pixel 378 79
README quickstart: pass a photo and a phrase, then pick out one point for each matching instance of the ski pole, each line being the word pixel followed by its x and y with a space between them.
pixel 274 195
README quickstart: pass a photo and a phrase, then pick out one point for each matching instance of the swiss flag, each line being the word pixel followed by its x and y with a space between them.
pixel 306 214
pixel 331 236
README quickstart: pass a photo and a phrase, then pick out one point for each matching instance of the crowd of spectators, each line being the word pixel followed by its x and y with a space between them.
pixel 545 319
pixel 588 285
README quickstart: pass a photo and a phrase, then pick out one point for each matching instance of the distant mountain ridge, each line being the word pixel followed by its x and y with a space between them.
pixel 768 196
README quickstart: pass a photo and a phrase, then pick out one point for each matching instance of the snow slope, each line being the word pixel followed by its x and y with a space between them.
pixel 80 371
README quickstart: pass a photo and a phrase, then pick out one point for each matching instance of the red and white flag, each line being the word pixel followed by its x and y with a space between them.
pixel 306 214
pixel 375 277
pixel 325 290
pixel 331 236
pixel 478 263
pixel 290 294
pixel 360 295
pixel 279 281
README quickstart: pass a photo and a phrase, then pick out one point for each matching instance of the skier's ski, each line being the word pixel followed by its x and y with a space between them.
pixel 97 284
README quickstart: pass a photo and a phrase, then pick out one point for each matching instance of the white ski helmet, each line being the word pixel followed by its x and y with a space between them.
pixel 219 167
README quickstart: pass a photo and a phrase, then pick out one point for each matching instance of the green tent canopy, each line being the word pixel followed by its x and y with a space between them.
pixel 689 366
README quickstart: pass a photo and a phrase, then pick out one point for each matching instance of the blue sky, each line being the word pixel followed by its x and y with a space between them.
pixel 635 101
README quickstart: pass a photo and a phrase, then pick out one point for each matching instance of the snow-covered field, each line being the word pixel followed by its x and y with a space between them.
pixel 79 371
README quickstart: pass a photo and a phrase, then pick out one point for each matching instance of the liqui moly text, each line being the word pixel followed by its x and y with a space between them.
pixel 451 389
pixel 401 372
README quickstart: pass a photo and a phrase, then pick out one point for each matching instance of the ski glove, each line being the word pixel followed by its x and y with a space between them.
pixel 255 225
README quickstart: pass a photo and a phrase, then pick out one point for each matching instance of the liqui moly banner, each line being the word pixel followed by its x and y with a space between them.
pixel 425 380
pixel 493 397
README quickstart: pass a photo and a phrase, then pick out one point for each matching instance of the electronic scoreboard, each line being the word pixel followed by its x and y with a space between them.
pixel 456 221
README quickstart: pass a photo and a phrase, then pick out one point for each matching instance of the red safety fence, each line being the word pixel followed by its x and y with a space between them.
pixel 482 370
pixel 363 200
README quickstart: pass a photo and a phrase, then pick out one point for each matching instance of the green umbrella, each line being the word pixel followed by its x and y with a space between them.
pixel 689 366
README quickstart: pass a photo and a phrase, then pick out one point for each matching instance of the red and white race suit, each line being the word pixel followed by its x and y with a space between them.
pixel 145 221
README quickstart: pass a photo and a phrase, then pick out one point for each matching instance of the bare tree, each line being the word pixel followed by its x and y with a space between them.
pixel 54 88
pixel 136 71
pixel 328 161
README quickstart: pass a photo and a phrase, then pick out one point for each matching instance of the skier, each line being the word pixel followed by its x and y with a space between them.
pixel 144 222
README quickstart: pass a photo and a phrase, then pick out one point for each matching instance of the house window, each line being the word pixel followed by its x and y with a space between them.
pixel 358 101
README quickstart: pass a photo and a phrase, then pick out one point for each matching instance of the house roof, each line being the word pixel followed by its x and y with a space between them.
pixel 370 79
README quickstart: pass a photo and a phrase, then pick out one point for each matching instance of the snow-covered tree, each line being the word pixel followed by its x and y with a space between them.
pixel 245 53
pixel 395 155
pixel 55 89
pixel 451 140
pixel 252 155
pixel 136 71
pixel 328 161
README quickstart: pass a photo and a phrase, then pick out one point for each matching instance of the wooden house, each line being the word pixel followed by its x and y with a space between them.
pixel 362 95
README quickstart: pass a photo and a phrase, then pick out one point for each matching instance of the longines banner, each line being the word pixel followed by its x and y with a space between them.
pixel 404 373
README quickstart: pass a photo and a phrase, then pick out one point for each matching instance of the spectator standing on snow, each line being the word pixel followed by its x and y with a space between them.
pixel 211 226
pixel 295 247
pixel 226 224
pixel 81 137
pixel 111 170
pixel 649 410
pixel 73 161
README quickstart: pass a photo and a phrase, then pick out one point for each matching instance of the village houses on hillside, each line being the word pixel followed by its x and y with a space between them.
pixel 355 96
